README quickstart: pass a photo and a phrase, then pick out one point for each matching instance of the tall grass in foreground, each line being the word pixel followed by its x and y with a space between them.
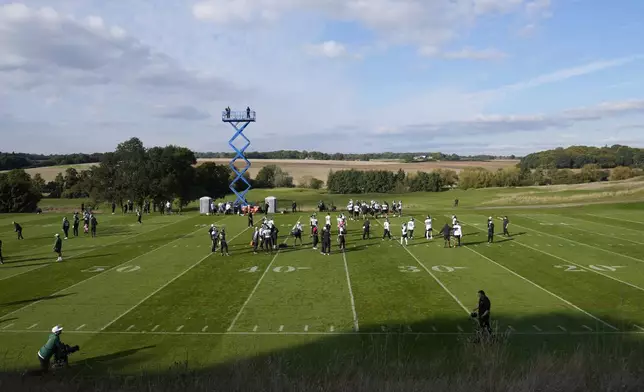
pixel 592 366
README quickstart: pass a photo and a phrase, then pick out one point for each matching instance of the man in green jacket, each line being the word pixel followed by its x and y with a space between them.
pixel 50 348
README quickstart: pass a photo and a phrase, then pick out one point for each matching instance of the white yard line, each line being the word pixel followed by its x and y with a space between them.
pixel 430 273
pixel 617 219
pixel 252 293
pixel 581 243
pixel 571 226
pixel 582 267
pixel 543 289
pixel 168 282
pixel 98 274
pixel 87 251
pixel 356 326
pixel 563 332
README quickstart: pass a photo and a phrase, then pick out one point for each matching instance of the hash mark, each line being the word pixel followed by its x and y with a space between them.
pixel 8 326
pixel 638 327
pixel 204 329
pixel 306 328
pixel 180 328
pixel 255 329
pixel 536 328
pixel 587 327
pixel 562 328
pixel 281 328
pixel 332 328
pixel 459 328
pixel 155 328
pixel 33 326
pixel 81 327
pixel 130 327
pixel 434 328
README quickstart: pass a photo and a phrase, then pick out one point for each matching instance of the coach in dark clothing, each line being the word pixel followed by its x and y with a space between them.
pixel 483 312
pixel 447 232
pixel 250 217
pixel 93 223
pixel 113 207
pixel 506 222
pixel 366 233
pixel 294 207
pixel 490 232
pixel 326 241
pixel 18 229
pixel 66 227
pixel 76 223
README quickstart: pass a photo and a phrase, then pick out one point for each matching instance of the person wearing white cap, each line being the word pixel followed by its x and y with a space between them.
pixel 52 346
pixel 58 248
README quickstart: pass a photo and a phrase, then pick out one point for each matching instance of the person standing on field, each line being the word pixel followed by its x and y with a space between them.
pixel 366 229
pixel 483 312
pixel 458 233
pixel 138 216
pixel 490 231
pixel 58 248
pixel 223 244
pixel 506 222
pixel 326 241
pixel 255 240
pixel 76 223
pixel 18 230
pixel 342 238
pixel 386 227
pixel 93 223
pixel 410 228
pixel 447 232
pixel 66 227
pixel 250 217
pixel 314 235
pixel 403 236
pixel 428 228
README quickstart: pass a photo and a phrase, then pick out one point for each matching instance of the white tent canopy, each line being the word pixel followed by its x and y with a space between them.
pixel 271 204
pixel 204 205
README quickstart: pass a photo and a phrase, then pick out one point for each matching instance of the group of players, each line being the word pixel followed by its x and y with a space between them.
pixel 89 225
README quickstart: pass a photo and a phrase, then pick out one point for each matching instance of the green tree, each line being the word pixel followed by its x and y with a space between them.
pixel 39 183
pixel 17 192
pixel 590 173
pixel 621 173
pixel 213 179
pixel 315 183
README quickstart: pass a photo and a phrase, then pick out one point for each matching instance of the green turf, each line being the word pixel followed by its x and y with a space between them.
pixel 153 294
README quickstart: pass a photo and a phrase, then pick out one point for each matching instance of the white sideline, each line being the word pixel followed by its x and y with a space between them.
pixel 170 281
pixel 241 310
pixel 98 274
pixel 356 326
pixel 431 274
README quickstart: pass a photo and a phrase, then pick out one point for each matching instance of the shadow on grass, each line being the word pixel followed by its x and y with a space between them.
pixel 432 357
pixel 28 301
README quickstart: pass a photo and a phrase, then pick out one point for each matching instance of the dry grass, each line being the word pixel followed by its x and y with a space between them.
pixel 542 198
pixel 490 368
pixel 303 169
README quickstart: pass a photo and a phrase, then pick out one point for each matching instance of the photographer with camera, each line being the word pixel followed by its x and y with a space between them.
pixel 482 312
pixel 54 347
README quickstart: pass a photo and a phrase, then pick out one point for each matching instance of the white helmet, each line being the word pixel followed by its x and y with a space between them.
pixel 57 329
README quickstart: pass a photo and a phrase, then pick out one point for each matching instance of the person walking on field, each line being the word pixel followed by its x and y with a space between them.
pixel 93 223
pixel 18 230
pixel 66 227
pixel 223 243
pixel 58 248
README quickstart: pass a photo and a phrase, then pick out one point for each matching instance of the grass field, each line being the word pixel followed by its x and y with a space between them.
pixel 153 295
pixel 302 170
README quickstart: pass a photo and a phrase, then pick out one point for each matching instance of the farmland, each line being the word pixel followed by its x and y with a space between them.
pixel 301 170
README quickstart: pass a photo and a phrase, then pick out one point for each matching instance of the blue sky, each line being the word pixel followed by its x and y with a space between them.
pixel 464 76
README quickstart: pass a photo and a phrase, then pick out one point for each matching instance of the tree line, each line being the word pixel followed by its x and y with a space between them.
pixel 316 155
pixel 354 181
pixel 9 161
pixel 576 157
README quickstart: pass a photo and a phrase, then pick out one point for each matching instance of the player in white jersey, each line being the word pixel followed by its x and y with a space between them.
pixel 387 232
pixel 327 220
pixel 458 233
pixel 428 228
pixel 403 237
pixel 356 211
pixel 454 220
pixel 410 228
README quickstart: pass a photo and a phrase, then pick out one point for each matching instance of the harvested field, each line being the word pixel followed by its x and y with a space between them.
pixel 302 170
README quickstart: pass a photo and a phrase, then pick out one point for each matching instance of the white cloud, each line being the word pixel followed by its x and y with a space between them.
pixel 330 49
pixel 426 24
pixel 473 54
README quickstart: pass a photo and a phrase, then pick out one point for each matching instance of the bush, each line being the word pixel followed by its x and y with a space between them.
pixel 17 192
pixel 315 183
pixel 621 173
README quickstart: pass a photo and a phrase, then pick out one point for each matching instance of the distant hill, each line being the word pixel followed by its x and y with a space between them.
pixel 18 160
pixel 575 157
